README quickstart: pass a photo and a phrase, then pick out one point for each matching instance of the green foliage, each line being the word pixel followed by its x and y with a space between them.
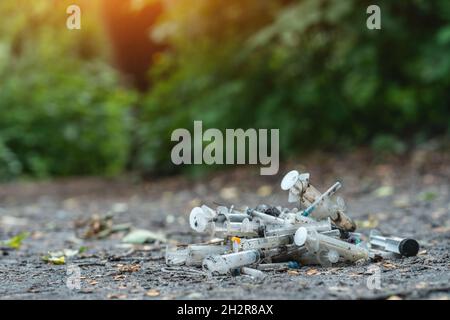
pixel 308 67
pixel 62 112
pixel 384 145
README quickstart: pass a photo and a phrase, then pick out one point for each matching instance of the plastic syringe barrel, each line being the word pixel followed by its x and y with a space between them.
pixel 238 229
pixel 268 218
pixel 256 274
pixel 223 264
pixel 236 217
pixel 316 242
pixel 276 230
pixel 404 246
pixel 332 190
pixel 196 253
pixel 265 243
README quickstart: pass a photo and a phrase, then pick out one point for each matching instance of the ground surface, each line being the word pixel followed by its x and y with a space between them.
pixel 418 207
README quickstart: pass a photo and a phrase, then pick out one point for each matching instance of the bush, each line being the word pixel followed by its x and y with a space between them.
pixel 310 68
pixel 62 112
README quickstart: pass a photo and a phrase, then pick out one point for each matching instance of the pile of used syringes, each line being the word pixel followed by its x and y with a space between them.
pixel 268 238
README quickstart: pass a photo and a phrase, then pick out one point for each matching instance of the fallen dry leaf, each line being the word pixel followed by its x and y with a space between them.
pixel 129 268
pixel 93 282
pixel 119 277
pixel 141 236
pixel 394 298
pixel 312 272
pixel 86 290
pixel 421 285
pixel 116 296
pixel 95 227
pixel 389 265
pixel 292 272
pixel 152 293
pixel 442 229
pixel 353 274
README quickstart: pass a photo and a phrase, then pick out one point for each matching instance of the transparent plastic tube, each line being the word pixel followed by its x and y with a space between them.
pixel 237 229
pixel 196 253
pixel 268 218
pixel 316 242
pixel 320 226
pixel 289 217
pixel 224 215
pixel 275 230
pixel 256 274
pixel 265 243
pixel 278 231
pixel 308 259
pixel 375 254
pixel 328 257
pixel 293 218
pixel 217 229
pixel 223 264
pixel 289 253
pixel 309 195
pixel 405 247
pixel 302 219
pixel 233 227
pixel 237 217
pixel 279 265
pixel 176 255
pixel 335 233
pixel 250 226
pixel 320 206
pixel 320 199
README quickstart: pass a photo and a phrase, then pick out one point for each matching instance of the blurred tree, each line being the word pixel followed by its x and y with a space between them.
pixel 62 111
pixel 308 67
pixel 129 23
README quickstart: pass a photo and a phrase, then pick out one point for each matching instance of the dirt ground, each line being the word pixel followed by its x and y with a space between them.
pixel 408 197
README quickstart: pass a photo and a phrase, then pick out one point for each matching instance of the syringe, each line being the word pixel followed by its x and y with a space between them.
pixel 316 242
pixel 332 190
pixel 320 226
pixel 176 255
pixel 196 253
pixel 268 218
pixel 223 264
pixel 265 243
pixel 404 246
pixel 255 274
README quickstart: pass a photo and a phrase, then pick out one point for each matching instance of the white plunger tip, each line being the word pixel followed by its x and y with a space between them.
pixel 300 236
pixel 304 177
pixel 195 219
pixel 289 179
pixel 333 256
